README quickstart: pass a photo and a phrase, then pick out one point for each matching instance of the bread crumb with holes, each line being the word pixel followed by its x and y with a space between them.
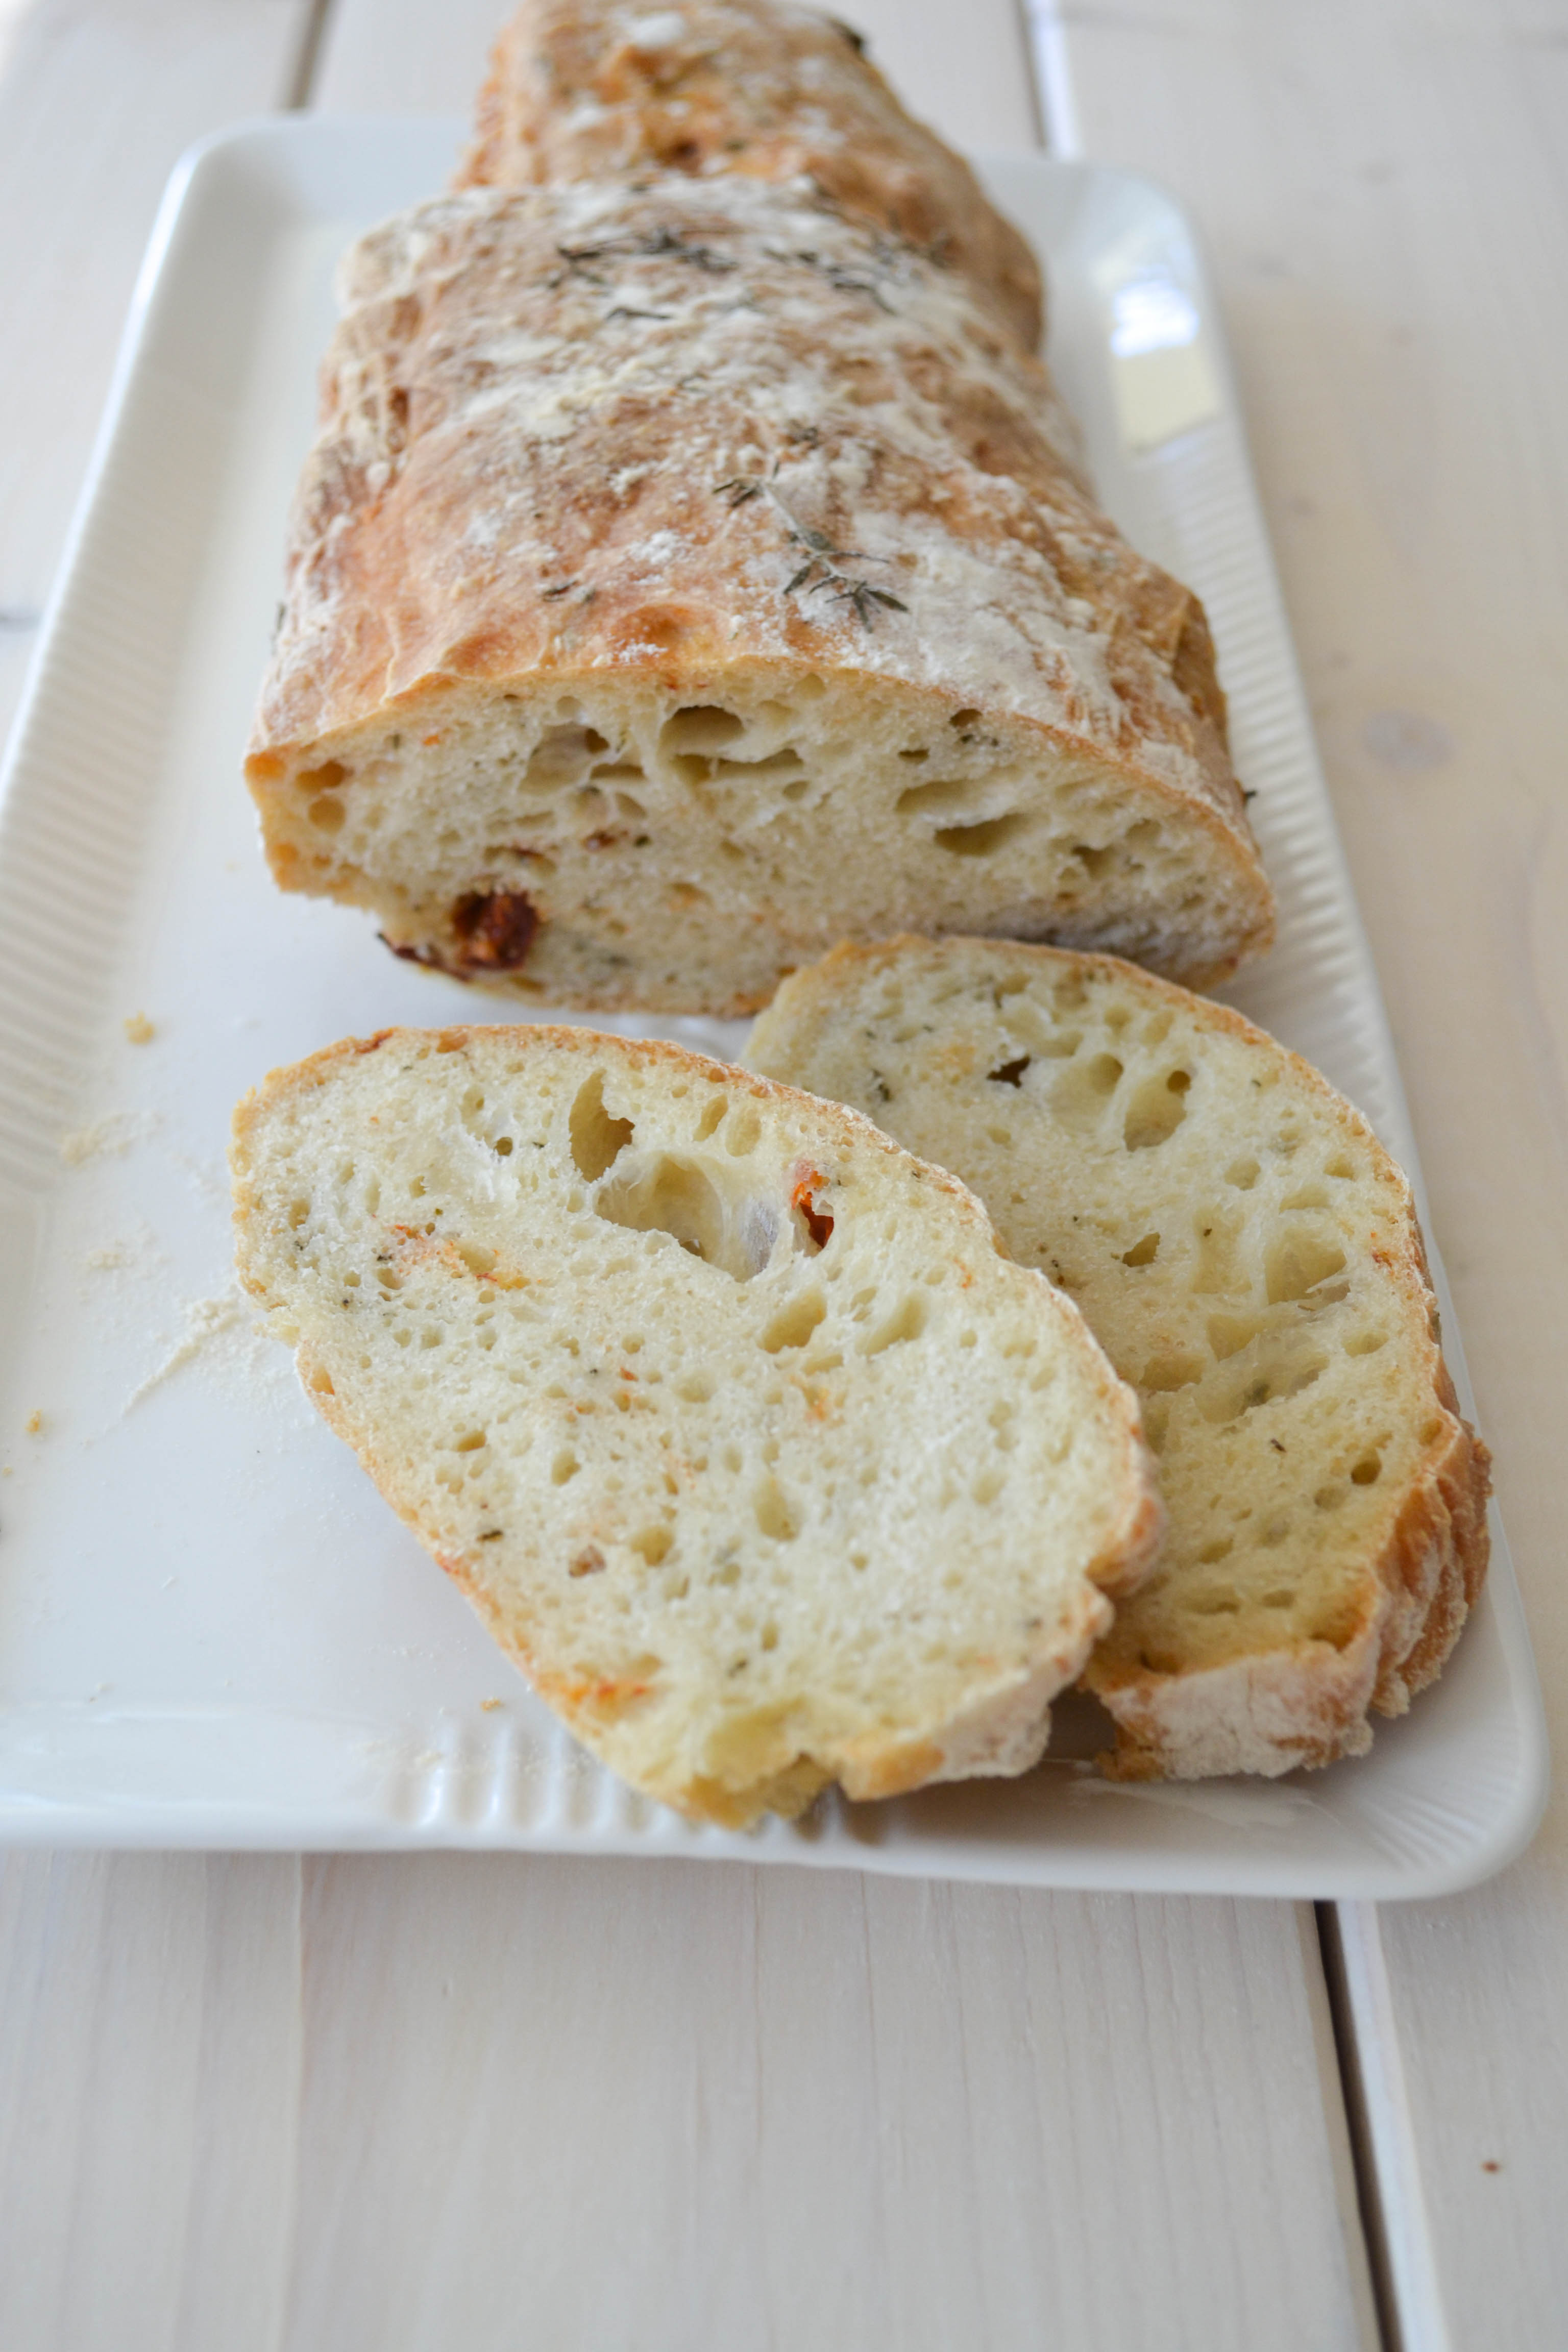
pixel 658 1359
pixel 1248 1256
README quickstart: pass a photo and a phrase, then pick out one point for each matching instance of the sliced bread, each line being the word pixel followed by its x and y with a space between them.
pixel 590 90
pixel 686 578
pixel 751 1448
pixel 1249 1257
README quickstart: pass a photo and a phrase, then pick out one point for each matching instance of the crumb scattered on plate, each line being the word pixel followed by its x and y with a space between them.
pixel 115 1134
pixel 139 1029
pixel 205 1320
pixel 34 1422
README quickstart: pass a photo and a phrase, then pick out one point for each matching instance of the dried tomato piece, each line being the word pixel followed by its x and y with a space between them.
pixel 819 1223
pixel 497 929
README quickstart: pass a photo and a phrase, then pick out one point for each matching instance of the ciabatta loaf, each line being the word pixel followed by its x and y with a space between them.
pixel 594 90
pixel 1248 1256
pixel 753 1451
pixel 684 580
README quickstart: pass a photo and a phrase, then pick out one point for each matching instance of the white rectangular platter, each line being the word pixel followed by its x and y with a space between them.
pixel 212 1631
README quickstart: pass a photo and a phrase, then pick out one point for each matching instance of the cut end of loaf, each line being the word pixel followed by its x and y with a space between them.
pixel 679 845
pixel 752 1449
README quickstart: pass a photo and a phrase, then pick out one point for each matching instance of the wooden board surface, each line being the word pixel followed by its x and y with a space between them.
pixel 1383 195
pixel 405 2102
pixel 414 2102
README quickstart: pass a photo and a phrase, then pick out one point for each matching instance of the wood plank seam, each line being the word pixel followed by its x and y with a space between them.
pixel 1045 32
pixel 308 56
pixel 1391 2153
pixel 1369 2191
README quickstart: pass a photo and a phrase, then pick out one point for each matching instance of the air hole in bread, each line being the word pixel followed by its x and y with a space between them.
pixel 1142 1252
pixel 1172 1367
pixel 1275 1364
pixel 701 729
pixel 776 765
pixel 326 777
pixel 1306 1196
pixel 743 1133
pixel 1157 1108
pixel 713 1116
pixel 1295 1265
pixel 1217 1268
pixel 327 814
pixel 667 1195
pixel 1228 1334
pixel 1094 861
pixel 566 1466
pixel 1367 1471
pixel 938 797
pixel 795 1322
pixel 963 721
pixel 774 1515
pixel 1243 1174
pixel 562 754
pixel 655 1544
pixel 598 1140
pixel 907 1322
pixel 1365 1343
pixel 981 840
pixel 1083 1090
pixel 1009 1073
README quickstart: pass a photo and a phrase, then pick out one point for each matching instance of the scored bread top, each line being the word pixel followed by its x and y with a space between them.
pixel 1249 1257
pixel 593 89
pixel 751 1447
pixel 696 441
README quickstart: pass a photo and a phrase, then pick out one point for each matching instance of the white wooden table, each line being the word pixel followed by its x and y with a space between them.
pixel 256 2104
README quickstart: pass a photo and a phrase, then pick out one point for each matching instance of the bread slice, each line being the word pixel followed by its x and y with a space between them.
pixel 1248 1256
pixel 589 90
pixel 752 1450
pixel 684 580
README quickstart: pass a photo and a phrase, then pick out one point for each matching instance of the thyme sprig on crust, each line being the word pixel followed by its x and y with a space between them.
pixel 819 574
pixel 654 244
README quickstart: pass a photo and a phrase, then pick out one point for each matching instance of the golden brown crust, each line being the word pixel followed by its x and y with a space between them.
pixel 582 89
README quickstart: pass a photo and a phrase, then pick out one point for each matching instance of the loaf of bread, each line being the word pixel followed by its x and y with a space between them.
pixel 1249 1257
pixel 753 1451
pixel 686 578
pixel 594 90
